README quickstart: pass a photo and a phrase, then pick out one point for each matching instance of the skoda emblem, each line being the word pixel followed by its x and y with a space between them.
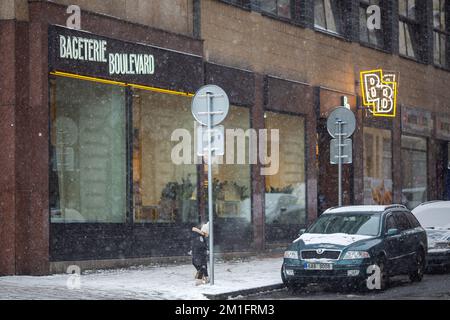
pixel 320 251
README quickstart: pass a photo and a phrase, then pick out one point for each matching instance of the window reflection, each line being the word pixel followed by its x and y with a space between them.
pixel 163 191
pixel 441 34
pixel 414 171
pixel 373 37
pixel 88 152
pixel 377 166
pixel 329 15
pixel 231 185
pixel 281 8
pixel 286 191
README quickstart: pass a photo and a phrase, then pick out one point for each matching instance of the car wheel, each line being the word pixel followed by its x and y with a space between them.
pixel 419 268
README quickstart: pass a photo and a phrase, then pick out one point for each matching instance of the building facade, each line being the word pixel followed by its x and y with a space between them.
pixel 91 121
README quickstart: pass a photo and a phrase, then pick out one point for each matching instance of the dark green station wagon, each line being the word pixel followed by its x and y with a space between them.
pixel 357 245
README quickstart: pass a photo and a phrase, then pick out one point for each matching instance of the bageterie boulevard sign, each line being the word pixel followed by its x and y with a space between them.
pixel 88 54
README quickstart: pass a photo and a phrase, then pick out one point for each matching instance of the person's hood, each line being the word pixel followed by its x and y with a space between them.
pixel 205 228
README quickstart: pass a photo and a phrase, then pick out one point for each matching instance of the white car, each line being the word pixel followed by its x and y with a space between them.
pixel 434 216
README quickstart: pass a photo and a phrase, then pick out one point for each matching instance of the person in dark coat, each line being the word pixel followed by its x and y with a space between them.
pixel 200 253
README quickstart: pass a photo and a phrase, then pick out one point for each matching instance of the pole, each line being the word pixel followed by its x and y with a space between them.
pixel 340 161
pixel 210 192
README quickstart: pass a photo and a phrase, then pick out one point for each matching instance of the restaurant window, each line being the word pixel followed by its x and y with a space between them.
pixel 88 152
pixel 163 191
pixel 281 8
pixel 377 166
pixel 414 171
pixel 441 33
pixel 409 29
pixel 329 15
pixel 285 197
pixel 373 37
pixel 231 179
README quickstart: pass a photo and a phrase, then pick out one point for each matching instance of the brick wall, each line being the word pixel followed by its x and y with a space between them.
pixel 174 15
pixel 249 40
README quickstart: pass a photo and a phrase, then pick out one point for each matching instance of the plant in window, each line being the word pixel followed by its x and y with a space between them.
pixel 287 189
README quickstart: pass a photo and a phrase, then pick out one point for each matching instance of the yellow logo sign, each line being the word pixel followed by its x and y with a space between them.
pixel 379 91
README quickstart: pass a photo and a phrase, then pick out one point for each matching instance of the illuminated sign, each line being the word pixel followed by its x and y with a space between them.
pixel 379 91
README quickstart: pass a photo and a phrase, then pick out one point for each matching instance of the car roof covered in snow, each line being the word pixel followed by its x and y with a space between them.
pixel 437 204
pixel 362 209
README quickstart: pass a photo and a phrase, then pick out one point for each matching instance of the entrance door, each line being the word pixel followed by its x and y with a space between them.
pixel 328 174
pixel 447 175
pixel 443 171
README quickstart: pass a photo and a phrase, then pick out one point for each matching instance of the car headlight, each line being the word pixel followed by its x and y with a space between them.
pixel 291 254
pixel 353 255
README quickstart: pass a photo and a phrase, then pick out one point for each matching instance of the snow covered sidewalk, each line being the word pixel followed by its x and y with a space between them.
pixel 171 282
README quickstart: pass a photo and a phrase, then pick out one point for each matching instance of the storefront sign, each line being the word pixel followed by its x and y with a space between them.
pixel 91 55
pixel 443 127
pixel 379 91
pixel 416 121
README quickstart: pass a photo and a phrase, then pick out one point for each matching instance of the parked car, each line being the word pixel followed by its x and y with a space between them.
pixel 344 242
pixel 435 218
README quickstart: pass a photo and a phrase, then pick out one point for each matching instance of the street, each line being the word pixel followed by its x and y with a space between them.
pixel 433 286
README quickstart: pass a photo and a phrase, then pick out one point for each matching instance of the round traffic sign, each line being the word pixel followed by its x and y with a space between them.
pixel 346 117
pixel 219 104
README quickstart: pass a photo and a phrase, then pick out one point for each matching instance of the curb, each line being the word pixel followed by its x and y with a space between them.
pixel 243 292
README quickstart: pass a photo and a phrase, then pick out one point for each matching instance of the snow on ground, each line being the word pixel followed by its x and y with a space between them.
pixel 172 282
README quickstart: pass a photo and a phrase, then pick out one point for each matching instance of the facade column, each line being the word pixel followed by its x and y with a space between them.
pixel 32 219
pixel 7 147
pixel 397 157
pixel 258 181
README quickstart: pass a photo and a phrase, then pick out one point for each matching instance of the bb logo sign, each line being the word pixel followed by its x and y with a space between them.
pixel 379 91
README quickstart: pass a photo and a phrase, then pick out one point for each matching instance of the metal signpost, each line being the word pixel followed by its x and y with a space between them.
pixel 210 106
pixel 341 124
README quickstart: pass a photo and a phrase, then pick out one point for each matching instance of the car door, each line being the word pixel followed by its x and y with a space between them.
pixel 406 240
pixel 416 231
pixel 392 244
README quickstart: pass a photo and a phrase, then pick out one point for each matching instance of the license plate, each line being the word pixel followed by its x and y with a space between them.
pixel 318 266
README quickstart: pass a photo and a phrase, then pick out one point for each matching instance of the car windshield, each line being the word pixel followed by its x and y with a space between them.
pixel 434 217
pixel 349 223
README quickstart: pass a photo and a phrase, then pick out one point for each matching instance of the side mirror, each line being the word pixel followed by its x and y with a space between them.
pixel 392 232
pixel 302 231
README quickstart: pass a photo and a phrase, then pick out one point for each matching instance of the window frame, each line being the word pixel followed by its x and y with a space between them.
pixel 343 32
pixel 364 4
pixel 445 32
pixel 304 223
pixel 277 15
pixel 243 4
pixel 417 25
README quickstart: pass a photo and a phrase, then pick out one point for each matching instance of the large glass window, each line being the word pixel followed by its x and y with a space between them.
pixel 441 32
pixel 285 197
pixel 281 8
pixel 414 171
pixel 231 179
pixel 329 15
pixel 164 190
pixel 377 166
pixel 375 36
pixel 409 29
pixel 88 152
